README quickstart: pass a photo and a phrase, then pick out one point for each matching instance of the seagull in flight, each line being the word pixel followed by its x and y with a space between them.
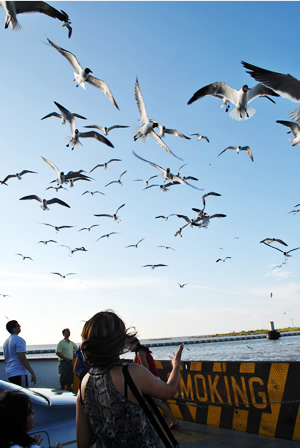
pixel 240 98
pixel 147 126
pixel 116 181
pixel 271 240
pixel 12 9
pixel 24 258
pixel 223 260
pixel 88 228
pixel 92 192
pixel 5 295
pixel 163 130
pixel 153 266
pixel 65 116
pixel 166 174
pixel 165 217
pixel 146 182
pixel 107 235
pixel 64 178
pixel 46 242
pixel 199 137
pixel 57 228
pixel 182 285
pixel 286 254
pixel 201 212
pixel 83 75
pixel 17 175
pixel 61 275
pixel 294 129
pixel 105 164
pixel 104 129
pixel 135 245
pixel 285 85
pixel 238 149
pixel 45 202
pixel 114 216
pixel 74 140
pixel 167 247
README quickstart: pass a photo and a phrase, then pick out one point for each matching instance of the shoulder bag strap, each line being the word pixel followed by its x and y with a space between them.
pixel 142 403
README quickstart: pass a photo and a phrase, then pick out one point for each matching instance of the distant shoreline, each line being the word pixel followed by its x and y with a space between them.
pixel 245 333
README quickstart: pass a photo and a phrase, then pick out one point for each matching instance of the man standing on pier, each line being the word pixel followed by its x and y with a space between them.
pixel 16 363
pixel 65 351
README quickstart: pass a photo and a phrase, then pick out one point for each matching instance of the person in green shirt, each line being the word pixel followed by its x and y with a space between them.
pixel 65 351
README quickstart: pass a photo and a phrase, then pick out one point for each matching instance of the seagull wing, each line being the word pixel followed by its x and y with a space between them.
pixel 103 214
pixel 26 172
pixel 102 86
pixel 119 208
pixel 219 89
pixel 246 148
pixel 79 116
pixel 229 147
pixel 292 249
pixel 8 177
pixel 53 114
pixel 95 126
pixel 31 196
pixel 69 56
pixel 162 143
pixel 42 7
pixel 217 215
pixel 140 104
pixel 285 85
pixel 58 201
pixel 117 126
pixel 151 163
pixel 97 136
pixel 52 166
pixel 175 132
pixel 184 217
pixel 294 127
pixel 280 241
pixel 260 90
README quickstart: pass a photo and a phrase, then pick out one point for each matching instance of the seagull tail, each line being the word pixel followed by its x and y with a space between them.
pixel 295 141
pixel 242 115
pixel 12 23
pixel 79 81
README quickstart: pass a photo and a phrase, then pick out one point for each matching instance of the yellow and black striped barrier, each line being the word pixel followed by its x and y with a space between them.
pixel 256 397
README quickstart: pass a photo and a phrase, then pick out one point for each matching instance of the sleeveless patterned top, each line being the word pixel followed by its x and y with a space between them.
pixel 116 421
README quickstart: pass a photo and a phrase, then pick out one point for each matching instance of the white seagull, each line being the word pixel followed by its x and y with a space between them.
pixel 199 137
pixel 61 275
pixel 147 125
pixel 46 242
pixel 92 192
pixel 238 149
pixel 285 85
pixel 153 266
pixel 17 175
pixel 88 228
pixel 114 216
pixel 117 181
pixel 223 260
pixel 24 257
pixel 163 130
pixel 83 75
pixel 135 245
pixel 64 178
pixel 146 182
pixel 271 240
pixel 65 115
pixel 14 8
pixel 57 228
pixel 105 164
pixel 286 254
pixel 104 129
pixel 45 202
pixel 295 129
pixel 74 141
pixel 240 98
pixel 106 236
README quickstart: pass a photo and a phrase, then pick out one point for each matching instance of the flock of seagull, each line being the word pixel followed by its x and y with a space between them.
pixel 270 84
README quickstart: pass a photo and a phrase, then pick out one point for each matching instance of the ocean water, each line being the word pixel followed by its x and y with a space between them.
pixel 286 348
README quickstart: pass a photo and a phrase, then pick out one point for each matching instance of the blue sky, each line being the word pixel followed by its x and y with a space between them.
pixel 174 48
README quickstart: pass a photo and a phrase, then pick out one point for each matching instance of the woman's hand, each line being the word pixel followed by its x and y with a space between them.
pixel 175 358
pixel 38 439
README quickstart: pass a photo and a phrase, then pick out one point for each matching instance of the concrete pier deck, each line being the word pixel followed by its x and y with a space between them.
pixel 197 435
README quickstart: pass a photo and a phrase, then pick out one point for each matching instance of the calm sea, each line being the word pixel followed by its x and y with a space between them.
pixel 286 348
